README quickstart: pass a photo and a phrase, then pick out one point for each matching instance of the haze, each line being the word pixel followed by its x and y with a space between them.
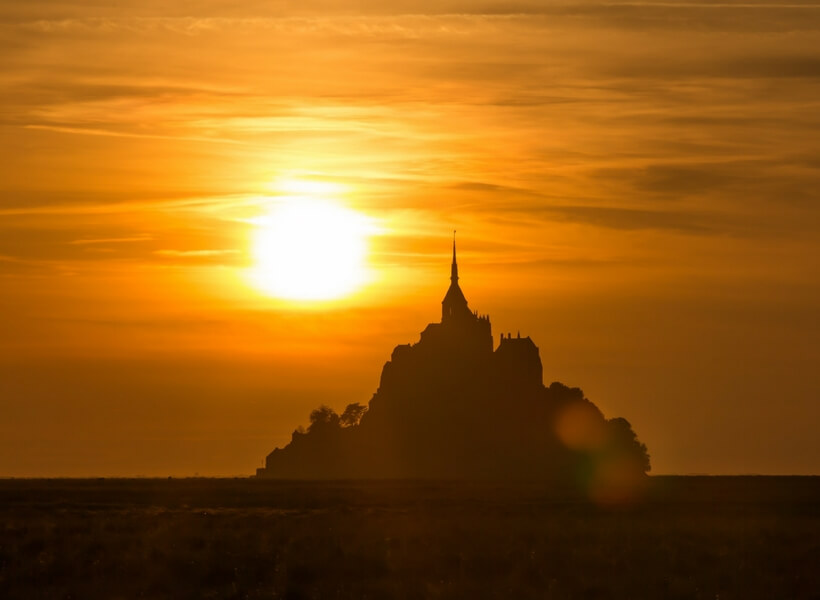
pixel 635 186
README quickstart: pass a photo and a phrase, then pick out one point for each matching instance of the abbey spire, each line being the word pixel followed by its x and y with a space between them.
pixel 454 268
pixel 454 306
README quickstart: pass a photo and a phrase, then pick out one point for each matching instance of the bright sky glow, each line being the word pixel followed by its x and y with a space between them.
pixel 311 248
pixel 633 187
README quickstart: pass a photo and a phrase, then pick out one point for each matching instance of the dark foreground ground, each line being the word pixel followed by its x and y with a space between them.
pixel 689 537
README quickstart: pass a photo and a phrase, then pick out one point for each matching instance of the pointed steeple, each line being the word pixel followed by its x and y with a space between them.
pixel 454 268
pixel 454 305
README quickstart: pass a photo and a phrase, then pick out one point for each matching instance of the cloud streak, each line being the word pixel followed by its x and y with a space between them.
pixel 122 240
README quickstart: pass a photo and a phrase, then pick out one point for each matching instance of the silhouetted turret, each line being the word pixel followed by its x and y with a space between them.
pixel 518 362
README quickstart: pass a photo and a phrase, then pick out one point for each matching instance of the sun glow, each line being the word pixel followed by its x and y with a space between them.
pixel 311 248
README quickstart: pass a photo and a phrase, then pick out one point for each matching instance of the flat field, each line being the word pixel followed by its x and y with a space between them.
pixel 687 537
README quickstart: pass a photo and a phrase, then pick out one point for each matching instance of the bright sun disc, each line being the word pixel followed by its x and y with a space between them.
pixel 309 249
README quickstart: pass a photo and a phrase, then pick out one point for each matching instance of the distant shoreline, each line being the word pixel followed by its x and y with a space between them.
pixel 391 494
pixel 382 480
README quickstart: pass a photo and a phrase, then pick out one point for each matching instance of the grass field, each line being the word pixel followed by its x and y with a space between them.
pixel 689 537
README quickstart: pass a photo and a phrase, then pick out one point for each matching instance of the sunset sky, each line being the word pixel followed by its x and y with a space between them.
pixel 635 185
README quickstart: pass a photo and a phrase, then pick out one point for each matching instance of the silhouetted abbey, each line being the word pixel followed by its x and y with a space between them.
pixel 449 406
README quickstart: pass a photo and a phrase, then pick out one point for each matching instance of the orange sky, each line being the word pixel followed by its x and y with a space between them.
pixel 635 186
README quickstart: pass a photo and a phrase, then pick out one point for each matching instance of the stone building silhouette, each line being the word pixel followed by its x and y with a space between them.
pixel 452 406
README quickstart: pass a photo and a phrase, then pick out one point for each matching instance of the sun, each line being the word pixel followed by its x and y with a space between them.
pixel 311 248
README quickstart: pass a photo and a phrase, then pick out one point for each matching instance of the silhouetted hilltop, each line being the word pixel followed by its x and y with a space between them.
pixel 450 406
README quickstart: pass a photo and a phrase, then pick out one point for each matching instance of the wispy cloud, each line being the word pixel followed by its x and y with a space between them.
pixel 128 134
pixel 196 253
pixel 121 240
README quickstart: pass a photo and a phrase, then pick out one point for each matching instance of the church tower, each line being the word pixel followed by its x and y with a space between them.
pixel 461 331
pixel 454 306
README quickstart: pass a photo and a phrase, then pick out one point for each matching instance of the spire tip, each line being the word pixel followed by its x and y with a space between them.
pixel 454 268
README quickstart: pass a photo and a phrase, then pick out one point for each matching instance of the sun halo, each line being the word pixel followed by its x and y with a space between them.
pixel 311 249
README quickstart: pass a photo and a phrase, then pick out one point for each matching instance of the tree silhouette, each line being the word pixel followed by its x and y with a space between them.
pixel 323 418
pixel 352 415
pixel 623 440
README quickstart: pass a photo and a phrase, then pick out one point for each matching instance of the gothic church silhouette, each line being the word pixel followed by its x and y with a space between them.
pixel 450 406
